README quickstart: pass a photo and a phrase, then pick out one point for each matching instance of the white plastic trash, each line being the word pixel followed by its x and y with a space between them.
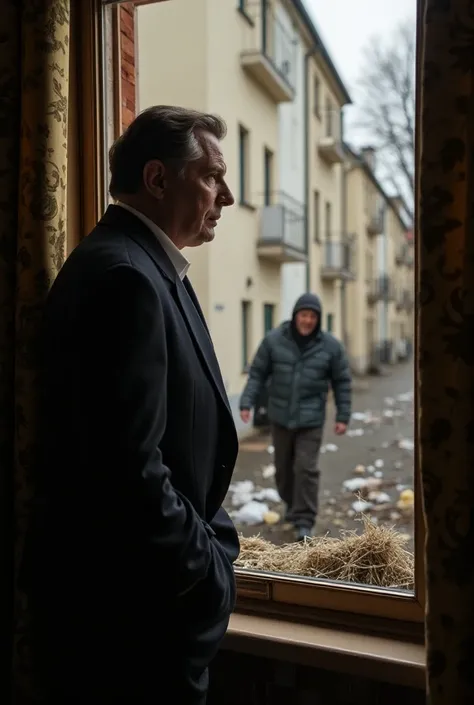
pixel 251 514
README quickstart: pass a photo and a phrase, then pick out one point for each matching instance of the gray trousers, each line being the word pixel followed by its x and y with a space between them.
pixel 297 473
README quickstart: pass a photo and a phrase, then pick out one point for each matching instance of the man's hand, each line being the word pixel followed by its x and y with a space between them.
pixel 245 415
pixel 340 429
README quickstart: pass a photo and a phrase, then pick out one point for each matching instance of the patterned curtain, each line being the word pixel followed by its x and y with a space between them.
pixel 447 345
pixel 34 72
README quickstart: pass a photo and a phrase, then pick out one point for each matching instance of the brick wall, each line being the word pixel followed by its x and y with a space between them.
pixel 240 679
pixel 127 64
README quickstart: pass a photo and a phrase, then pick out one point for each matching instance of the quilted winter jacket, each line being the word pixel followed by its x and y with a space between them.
pixel 299 379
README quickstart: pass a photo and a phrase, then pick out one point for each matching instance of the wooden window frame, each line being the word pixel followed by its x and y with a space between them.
pixel 364 608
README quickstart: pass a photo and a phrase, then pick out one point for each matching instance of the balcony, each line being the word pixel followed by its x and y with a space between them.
pixel 401 254
pixel 375 224
pixel 269 52
pixel 282 235
pixel 380 289
pixel 404 255
pixel 330 146
pixel 337 261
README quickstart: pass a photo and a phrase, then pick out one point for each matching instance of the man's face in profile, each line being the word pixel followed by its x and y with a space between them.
pixel 199 195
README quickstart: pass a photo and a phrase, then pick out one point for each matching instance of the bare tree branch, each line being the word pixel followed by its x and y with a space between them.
pixel 386 100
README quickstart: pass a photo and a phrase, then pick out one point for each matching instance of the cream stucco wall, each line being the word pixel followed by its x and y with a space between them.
pixel 189 54
pixel 360 316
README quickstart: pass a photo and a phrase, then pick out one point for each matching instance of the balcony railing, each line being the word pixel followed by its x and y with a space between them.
pixel 337 259
pixel 269 51
pixel 282 236
pixel 381 289
pixel 330 145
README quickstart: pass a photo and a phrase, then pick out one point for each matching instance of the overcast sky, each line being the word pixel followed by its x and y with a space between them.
pixel 346 27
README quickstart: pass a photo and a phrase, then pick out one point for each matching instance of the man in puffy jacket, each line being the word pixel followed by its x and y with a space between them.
pixel 300 361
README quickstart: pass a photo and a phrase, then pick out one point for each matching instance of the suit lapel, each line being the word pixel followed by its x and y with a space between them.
pixel 183 293
pixel 198 328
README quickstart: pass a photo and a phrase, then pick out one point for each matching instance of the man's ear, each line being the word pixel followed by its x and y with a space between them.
pixel 154 178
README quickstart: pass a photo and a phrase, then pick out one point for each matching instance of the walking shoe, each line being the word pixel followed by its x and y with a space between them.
pixel 303 532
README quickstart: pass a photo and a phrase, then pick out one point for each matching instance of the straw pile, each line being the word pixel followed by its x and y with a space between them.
pixel 376 557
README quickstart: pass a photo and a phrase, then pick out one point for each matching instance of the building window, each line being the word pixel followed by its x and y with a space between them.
pixel 246 306
pixel 317 217
pixel 267 176
pixel 329 119
pixel 328 221
pixel 243 165
pixel 268 317
pixel 330 322
pixel 317 97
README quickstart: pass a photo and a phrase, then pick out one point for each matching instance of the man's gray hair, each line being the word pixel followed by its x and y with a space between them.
pixel 163 132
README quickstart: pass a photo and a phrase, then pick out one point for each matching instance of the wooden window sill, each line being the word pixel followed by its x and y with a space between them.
pixel 384 659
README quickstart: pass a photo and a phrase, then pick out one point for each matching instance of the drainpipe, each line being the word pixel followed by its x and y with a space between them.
pixel 307 160
pixel 344 233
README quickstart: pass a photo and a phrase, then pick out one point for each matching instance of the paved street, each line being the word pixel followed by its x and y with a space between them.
pixel 376 457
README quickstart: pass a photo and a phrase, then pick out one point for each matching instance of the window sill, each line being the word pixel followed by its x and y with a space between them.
pixel 384 659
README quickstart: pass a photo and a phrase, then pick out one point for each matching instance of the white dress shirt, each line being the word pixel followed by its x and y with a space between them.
pixel 178 260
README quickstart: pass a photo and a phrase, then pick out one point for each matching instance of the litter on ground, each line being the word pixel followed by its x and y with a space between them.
pixel 406 444
pixel 329 448
pixel 251 514
pixel 268 471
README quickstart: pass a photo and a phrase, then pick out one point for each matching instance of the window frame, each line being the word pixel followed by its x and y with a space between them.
pixel 327 221
pixel 244 167
pixel 366 608
pixel 317 96
pixel 268 308
pixel 245 333
pixel 268 165
pixel 316 216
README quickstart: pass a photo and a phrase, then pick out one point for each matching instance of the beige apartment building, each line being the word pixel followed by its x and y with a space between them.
pixel 402 313
pixel 380 297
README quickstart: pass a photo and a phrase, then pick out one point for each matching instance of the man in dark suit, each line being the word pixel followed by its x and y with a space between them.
pixel 131 581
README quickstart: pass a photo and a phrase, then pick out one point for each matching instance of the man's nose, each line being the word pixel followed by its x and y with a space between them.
pixel 227 197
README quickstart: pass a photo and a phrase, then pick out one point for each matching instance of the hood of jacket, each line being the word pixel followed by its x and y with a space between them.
pixel 306 302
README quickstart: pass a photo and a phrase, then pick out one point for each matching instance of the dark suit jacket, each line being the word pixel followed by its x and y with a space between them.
pixel 132 582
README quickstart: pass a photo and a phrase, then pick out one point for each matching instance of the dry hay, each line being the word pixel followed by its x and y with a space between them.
pixel 376 557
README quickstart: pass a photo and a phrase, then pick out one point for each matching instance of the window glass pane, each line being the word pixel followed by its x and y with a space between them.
pixel 268 317
pixel 320 157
